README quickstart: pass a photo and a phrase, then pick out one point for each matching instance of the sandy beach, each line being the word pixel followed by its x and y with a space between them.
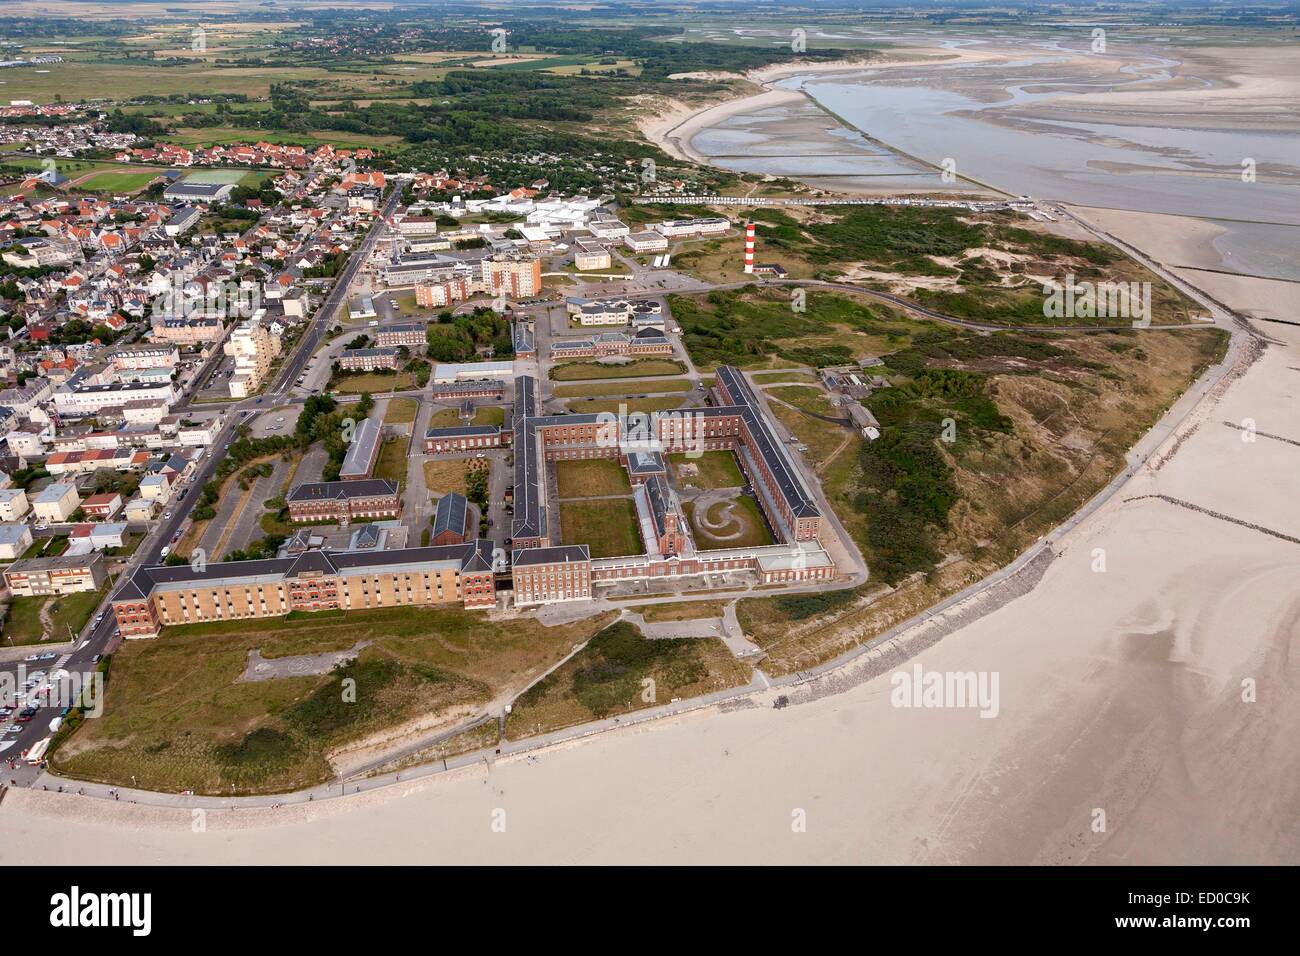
pixel 1123 698
pixel 673 127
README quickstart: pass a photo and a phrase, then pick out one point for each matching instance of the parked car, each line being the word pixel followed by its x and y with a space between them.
pixel 176 537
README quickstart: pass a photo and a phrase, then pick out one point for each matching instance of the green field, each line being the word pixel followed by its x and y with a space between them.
pixel 374 383
pixel 606 389
pixel 712 469
pixel 392 461
pixel 22 625
pixel 619 406
pixel 608 526
pixel 576 371
pixel 401 411
pixel 731 524
pixel 591 478
pixel 115 182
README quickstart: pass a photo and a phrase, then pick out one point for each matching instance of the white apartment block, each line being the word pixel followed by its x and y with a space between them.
pixel 254 350
pixel 84 400
pixel 13 504
pixel 679 228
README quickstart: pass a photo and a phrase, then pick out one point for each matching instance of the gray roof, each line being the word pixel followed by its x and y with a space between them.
pixel 326 490
pixel 12 532
pixel 797 495
pixel 451 514
pixel 456 431
pixel 361 452
pixel 530 499
pixel 558 555
pixel 382 350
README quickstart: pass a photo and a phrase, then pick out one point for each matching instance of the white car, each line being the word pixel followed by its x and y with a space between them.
pixel 166 515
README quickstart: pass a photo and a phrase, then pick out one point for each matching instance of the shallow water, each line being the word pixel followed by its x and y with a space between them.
pixel 993 121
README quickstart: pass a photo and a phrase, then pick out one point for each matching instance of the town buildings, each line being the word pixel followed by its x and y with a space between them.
pixel 65 574
pixel 254 348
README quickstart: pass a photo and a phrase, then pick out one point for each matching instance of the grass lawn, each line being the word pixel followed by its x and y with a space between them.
pixel 600 389
pixel 809 398
pixel 483 415
pixel 608 526
pixel 795 375
pixel 592 478
pixel 620 671
pixel 112 182
pixel 713 469
pixel 618 406
pixel 441 477
pixel 576 371
pixel 355 384
pixel 680 611
pixel 489 415
pixel 392 461
pixel 177 717
pixel 401 411
pixel 23 623
pixel 733 524
pixel 822 438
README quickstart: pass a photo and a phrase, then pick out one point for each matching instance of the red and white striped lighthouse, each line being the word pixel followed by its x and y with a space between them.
pixel 749 247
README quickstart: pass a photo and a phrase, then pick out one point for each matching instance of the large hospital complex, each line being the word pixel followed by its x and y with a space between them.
pixel 540 569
